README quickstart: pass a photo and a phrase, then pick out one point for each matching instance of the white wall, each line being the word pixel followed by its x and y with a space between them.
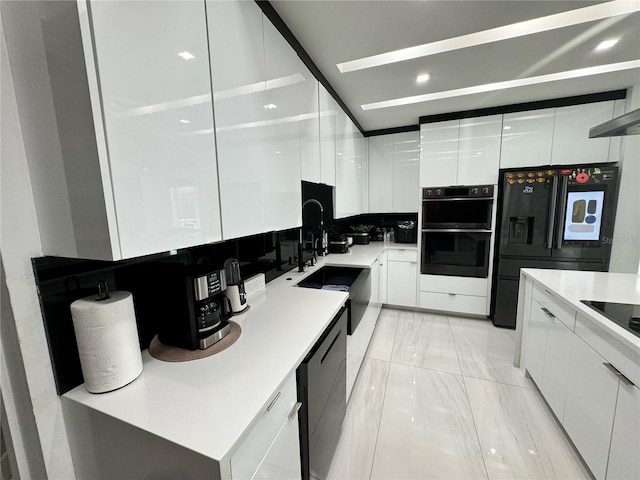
pixel 33 407
pixel 625 250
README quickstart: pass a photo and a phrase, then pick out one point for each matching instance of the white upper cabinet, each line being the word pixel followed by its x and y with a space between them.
pixel 460 152
pixel 527 138
pixel 571 142
pixel 290 90
pixel 327 107
pixel 381 174
pixel 348 194
pixel 439 153
pixel 310 133
pixel 239 94
pixel 259 93
pixel 479 150
pixel 155 99
pixel 406 170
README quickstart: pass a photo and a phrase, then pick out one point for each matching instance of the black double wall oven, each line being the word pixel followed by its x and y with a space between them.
pixel 456 230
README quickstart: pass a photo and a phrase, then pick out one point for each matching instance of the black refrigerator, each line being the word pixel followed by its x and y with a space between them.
pixel 551 217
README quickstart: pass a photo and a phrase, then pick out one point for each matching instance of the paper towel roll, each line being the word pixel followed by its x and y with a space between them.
pixel 107 339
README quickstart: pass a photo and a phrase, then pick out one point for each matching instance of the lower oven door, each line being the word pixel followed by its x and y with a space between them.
pixel 462 253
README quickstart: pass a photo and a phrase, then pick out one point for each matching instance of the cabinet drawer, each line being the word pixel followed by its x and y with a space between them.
pixel 402 255
pixel 559 309
pixel 454 303
pixel 615 352
pixel 258 440
pixel 448 284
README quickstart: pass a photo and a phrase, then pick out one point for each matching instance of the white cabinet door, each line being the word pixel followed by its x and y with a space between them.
pixel 290 88
pixel 383 277
pixel 156 100
pixel 556 364
pixel 479 150
pixel 536 342
pixel 402 283
pixel 348 167
pixel 327 106
pixel 364 176
pixel 406 171
pixel 624 455
pixel 242 133
pixel 381 167
pixel 439 153
pixel 590 405
pixel 273 439
pixel 571 142
pixel 527 138
pixel 310 131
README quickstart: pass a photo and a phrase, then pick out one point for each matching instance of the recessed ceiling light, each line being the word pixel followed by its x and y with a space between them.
pixel 186 55
pixel 537 25
pixel 423 78
pixel 606 45
pixel 492 87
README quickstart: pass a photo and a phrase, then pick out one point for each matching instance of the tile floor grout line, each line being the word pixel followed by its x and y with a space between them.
pixel 475 427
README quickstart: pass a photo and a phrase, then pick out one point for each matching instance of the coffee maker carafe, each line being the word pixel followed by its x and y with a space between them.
pixel 235 286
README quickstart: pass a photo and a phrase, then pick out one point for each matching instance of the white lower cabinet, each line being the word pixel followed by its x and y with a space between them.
pixel 402 277
pixel 466 295
pixel 590 405
pixel 536 342
pixel 383 277
pixel 624 455
pixel 271 449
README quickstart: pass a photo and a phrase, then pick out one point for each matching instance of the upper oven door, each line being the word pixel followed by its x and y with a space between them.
pixel 458 213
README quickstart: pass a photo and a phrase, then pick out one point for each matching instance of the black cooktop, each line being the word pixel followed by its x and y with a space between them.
pixel 626 315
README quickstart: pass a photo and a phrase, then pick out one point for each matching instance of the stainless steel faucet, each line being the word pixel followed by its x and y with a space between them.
pixel 320 238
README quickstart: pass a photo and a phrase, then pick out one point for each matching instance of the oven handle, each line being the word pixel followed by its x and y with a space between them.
pixel 456 230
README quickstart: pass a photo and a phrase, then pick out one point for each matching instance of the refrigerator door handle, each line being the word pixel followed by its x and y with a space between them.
pixel 552 213
pixel 561 212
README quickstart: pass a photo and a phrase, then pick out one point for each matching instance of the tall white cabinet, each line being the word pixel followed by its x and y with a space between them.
pixel 258 101
pixel 327 124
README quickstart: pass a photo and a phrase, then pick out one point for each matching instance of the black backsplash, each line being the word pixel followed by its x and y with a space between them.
pixel 60 281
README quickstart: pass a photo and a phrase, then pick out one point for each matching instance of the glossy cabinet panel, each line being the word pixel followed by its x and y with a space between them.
pixel 406 172
pixel 571 142
pixel 527 138
pixel 402 283
pixel 239 93
pixel 536 342
pixel 624 456
pixel 479 150
pixel 556 365
pixel 310 170
pixel 327 107
pixel 348 167
pixel 290 88
pixel 158 120
pixel 439 153
pixel 590 404
pixel 381 173
pixel 260 91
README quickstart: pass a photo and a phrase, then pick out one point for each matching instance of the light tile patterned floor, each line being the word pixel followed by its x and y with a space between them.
pixel 438 397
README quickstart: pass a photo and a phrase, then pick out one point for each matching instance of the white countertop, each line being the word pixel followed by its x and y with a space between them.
pixel 207 405
pixel 574 286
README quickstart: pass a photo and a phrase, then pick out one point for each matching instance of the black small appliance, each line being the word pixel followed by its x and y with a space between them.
pixel 184 303
pixel 406 232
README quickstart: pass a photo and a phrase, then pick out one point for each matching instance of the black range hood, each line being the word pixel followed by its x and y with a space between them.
pixel 627 124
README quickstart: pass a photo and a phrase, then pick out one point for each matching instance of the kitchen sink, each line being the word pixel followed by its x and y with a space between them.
pixel 354 280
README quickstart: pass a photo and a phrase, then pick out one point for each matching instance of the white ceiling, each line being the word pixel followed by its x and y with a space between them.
pixel 333 31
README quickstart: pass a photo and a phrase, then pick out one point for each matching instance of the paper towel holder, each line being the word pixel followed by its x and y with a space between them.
pixel 103 291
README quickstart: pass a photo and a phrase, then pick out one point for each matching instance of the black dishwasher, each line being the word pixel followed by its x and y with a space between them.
pixel 322 378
